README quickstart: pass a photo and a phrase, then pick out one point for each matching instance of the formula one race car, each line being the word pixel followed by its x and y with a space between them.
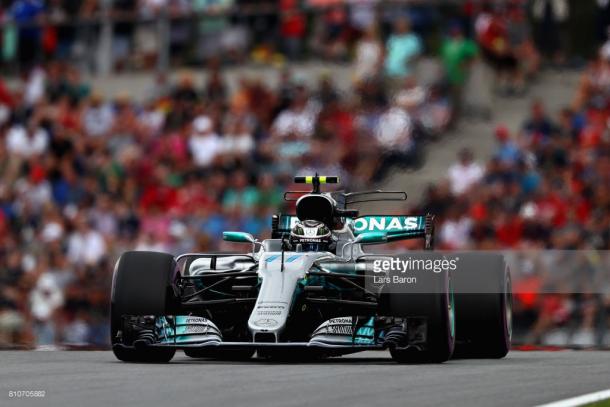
pixel 312 291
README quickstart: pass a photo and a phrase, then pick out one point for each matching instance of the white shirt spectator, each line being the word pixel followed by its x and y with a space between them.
pixel 105 222
pixel 462 176
pixel 204 144
pixel 35 87
pixel 86 247
pixel 240 144
pixel 46 297
pixel 20 143
pixel 152 120
pixel 394 129
pixel 368 57
pixel 52 232
pixel 33 194
pixel 456 233
pixel 98 120
pixel 295 122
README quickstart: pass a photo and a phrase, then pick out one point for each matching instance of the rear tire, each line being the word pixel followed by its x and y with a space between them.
pixel 140 287
pixel 434 302
pixel 484 306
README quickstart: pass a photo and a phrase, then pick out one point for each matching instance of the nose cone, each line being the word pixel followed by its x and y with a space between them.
pixel 277 290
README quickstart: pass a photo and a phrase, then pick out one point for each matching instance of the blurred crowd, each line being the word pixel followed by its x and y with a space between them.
pixel 546 187
pixel 84 177
pixel 135 33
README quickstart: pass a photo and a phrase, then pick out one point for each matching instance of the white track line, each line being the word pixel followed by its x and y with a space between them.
pixel 580 400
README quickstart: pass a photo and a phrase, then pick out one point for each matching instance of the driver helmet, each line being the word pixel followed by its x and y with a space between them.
pixel 312 235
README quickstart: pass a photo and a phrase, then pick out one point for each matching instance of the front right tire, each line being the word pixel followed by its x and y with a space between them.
pixel 141 286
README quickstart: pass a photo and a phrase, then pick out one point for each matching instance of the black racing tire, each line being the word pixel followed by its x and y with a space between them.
pixel 432 300
pixel 483 303
pixel 141 285
pixel 232 355
pixel 143 355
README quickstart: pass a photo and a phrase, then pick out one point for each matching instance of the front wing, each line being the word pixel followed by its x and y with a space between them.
pixel 337 336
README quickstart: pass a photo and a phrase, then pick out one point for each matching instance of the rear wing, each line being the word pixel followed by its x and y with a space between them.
pixel 396 227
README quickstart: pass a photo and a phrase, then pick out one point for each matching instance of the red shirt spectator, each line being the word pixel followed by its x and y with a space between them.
pixel 293 21
pixel 510 233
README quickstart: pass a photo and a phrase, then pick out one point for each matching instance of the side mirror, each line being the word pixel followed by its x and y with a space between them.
pixel 238 237
pixel 371 238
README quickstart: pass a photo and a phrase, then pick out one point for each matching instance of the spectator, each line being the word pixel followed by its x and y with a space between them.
pixel 521 41
pixel 216 90
pixel 369 55
pixel 335 30
pixel 492 36
pixel 240 195
pixel 204 143
pixel 595 81
pixel 402 48
pixel 455 231
pixel 125 12
pixel 465 173
pixel 98 117
pixel 217 37
pixel 507 151
pixel 538 128
pixel 146 35
pixel 86 245
pixel 28 13
pixel 296 121
pixel 549 16
pixel 362 14
pixel 293 27
pixel 35 87
pixel 394 136
pixel 45 300
pixel 26 142
pixel 457 52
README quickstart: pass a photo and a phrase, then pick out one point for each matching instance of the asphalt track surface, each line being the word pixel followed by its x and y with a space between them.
pixel 366 379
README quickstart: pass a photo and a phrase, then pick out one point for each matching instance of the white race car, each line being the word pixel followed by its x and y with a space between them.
pixel 312 291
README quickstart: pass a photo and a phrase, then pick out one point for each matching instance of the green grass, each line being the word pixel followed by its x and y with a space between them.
pixel 601 403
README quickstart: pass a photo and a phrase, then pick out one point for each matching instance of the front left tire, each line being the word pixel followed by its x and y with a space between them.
pixel 433 302
pixel 484 306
